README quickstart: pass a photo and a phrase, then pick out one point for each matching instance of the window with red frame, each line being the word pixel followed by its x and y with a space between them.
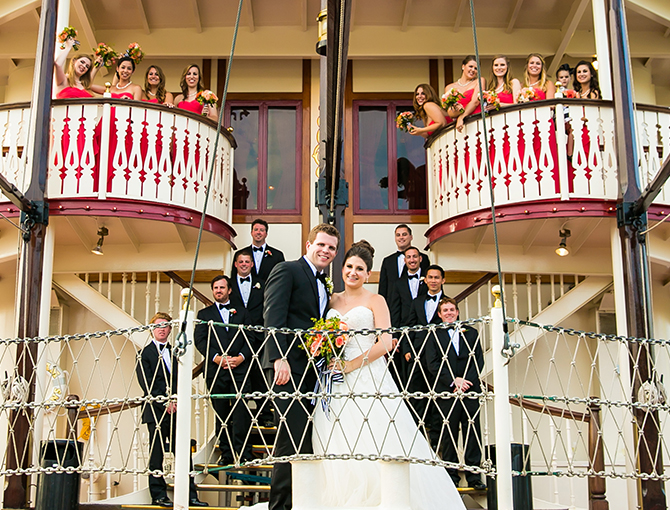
pixel 266 171
pixel 389 165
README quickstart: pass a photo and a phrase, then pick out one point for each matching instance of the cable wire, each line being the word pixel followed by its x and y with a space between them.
pixel 507 352
pixel 181 338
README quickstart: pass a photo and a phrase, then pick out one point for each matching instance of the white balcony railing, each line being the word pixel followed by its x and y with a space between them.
pixel 141 152
pixel 531 159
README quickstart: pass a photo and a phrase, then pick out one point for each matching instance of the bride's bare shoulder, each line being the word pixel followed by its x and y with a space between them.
pixel 335 299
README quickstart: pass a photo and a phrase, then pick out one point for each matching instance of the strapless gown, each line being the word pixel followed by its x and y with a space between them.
pixel 191 106
pixel 379 426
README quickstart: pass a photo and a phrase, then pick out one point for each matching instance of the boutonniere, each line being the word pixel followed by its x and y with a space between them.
pixel 329 285
pixel 422 280
pixel 258 285
pixel 232 311
pixel 268 253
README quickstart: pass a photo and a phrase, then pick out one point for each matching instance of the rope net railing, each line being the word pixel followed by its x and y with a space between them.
pixel 575 395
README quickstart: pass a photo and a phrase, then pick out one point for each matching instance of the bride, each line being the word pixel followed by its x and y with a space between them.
pixel 370 426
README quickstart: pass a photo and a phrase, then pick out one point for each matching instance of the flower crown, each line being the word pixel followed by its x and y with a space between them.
pixel 134 53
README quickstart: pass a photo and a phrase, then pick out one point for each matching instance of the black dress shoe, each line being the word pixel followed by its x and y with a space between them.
pixel 197 502
pixel 478 486
pixel 164 502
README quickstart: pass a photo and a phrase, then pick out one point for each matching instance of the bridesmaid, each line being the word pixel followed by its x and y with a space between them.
pixel 428 109
pixel 501 81
pixel 123 87
pixel 78 81
pixel 586 81
pixel 468 85
pixel 535 76
pixel 191 84
pixel 154 88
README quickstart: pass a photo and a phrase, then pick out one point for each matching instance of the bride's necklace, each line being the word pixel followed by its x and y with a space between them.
pixel 124 87
pixel 466 83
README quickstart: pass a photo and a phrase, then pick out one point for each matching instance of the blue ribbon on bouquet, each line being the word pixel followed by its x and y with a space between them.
pixel 325 380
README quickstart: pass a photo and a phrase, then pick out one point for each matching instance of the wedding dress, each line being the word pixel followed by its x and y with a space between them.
pixel 372 426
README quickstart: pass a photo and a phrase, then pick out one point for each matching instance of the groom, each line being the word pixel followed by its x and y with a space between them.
pixel 295 292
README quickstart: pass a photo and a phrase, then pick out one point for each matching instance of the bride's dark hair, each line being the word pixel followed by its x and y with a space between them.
pixel 363 250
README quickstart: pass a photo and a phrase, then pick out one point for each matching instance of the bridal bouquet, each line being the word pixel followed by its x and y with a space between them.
pixel 327 340
pixel 206 97
pixel 68 33
pixel 107 54
pixel 403 120
pixel 527 95
pixel 491 100
pixel 450 98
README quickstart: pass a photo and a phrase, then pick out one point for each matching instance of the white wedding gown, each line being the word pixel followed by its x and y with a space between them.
pixel 373 426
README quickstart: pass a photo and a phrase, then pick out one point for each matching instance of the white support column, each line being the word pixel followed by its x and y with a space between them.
pixel 43 349
pixel 602 47
pixel 182 448
pixel 501 409
pixel 63 15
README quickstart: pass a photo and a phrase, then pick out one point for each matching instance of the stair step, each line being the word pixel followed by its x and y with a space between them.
pixel 163 508
pixel 470 491
pixel 233 488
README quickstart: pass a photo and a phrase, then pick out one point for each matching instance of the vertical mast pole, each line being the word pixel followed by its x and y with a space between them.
pixel 631 223
pixel 34 222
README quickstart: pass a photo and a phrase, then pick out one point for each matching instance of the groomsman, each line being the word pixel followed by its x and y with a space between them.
pixel 407 288
pixel 265 257
pixel 247 293
pixel 393 266
pixel 227 354
pixel 423 311
pixel 296 292
pixel 460 373
pixel 157 375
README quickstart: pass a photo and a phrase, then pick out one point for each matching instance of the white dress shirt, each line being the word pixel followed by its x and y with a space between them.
pixel 401 264
pixel 455 340
pixel 321 288
pixel 431 305
pixel 165 354
pixel 258 256
pixel 245 288
pixel 414 283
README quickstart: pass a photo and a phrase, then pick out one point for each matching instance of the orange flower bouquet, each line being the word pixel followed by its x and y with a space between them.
pixel 68 33
pixel 206 97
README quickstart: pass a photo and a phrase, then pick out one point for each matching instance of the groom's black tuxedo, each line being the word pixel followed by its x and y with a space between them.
pixel 467 363
pixel 291 301
pixel 231 342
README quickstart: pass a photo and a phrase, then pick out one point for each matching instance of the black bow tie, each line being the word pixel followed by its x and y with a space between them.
pixel 247 279
pixel 256 248
pixel 398 253
pixel 226 306
pixel 432 298
pixel 164 346
pixel 411 276
pixel 322 277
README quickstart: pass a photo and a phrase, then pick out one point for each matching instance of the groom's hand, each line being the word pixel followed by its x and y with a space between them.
pixel 282 372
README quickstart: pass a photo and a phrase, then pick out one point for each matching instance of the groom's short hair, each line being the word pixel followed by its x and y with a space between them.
pixel 326 229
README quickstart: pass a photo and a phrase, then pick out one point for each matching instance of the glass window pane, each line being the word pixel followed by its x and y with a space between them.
pixel 372 158
pixel 244 121
pixel 411 169
pixel 281 158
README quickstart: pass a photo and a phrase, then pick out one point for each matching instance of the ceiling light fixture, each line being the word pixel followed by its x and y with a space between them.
pixel 102 232
pixel 562 249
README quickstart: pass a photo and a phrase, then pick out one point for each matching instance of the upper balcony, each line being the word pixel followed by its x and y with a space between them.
pixel 541 167
pixel 154 162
